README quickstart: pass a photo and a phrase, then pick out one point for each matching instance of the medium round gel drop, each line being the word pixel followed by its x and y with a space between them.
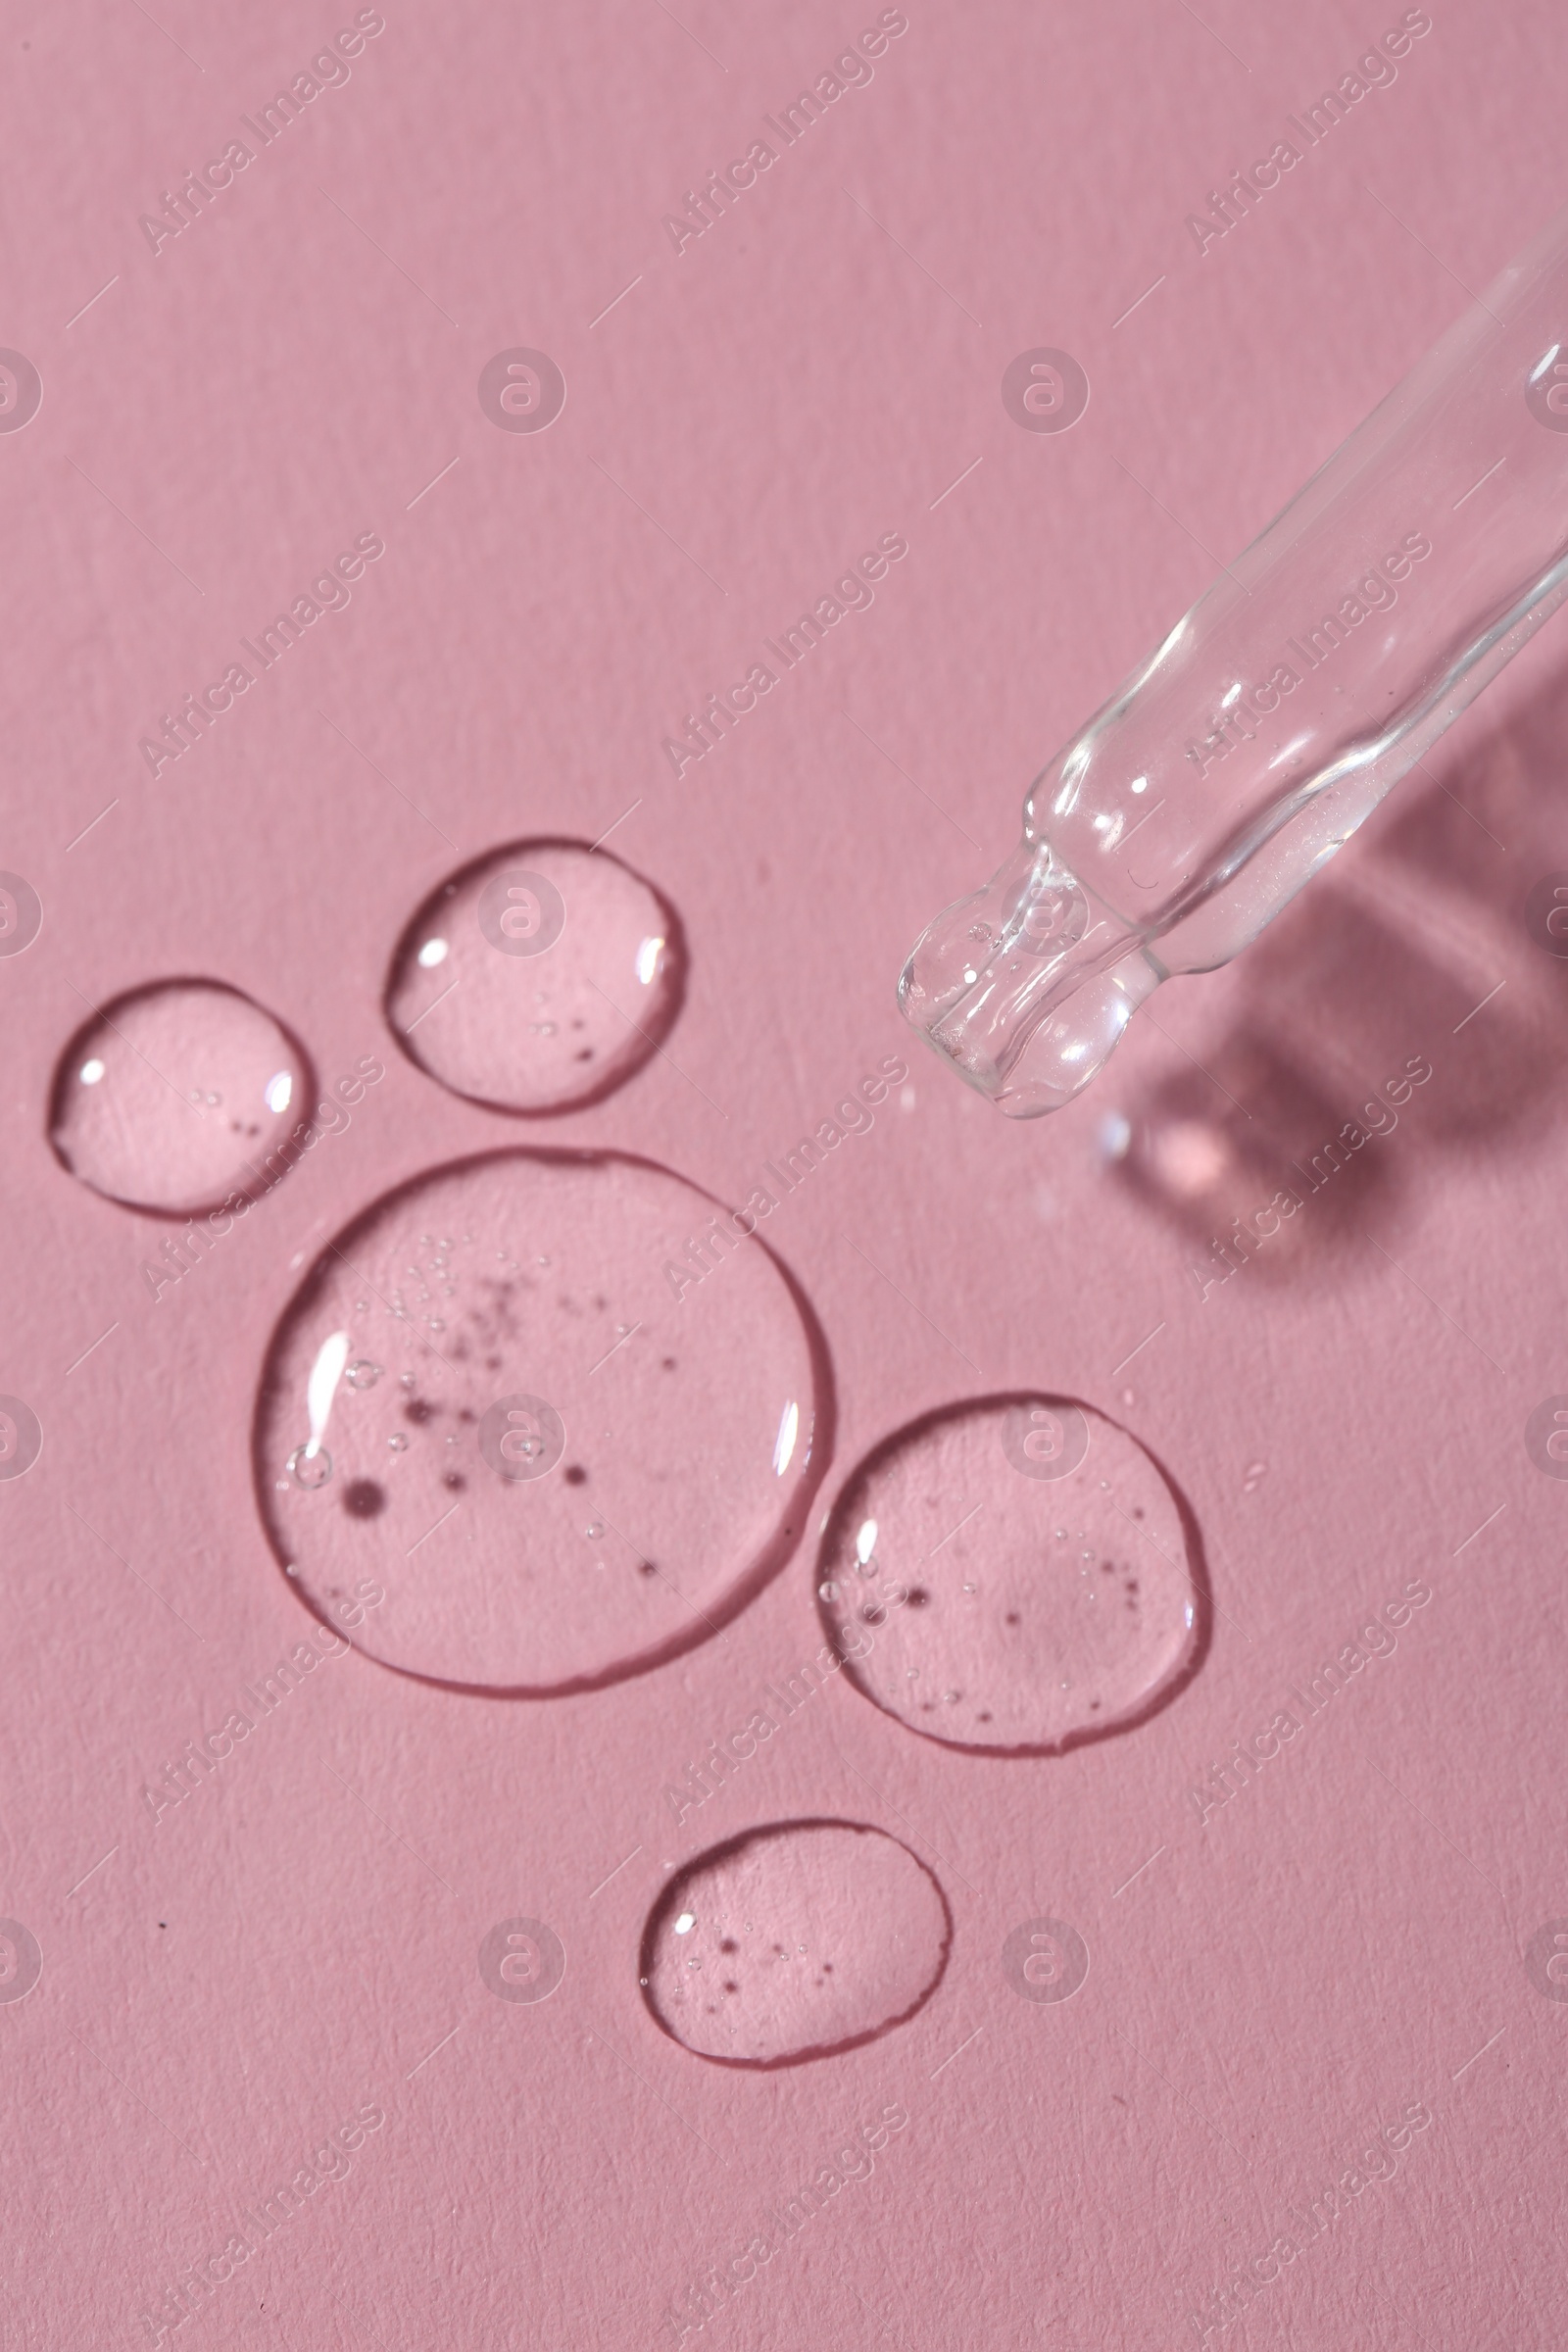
pixel 538 978
pixel 178 1096
pixel 1015 1574
pixel 793 1941
pixel 496 1446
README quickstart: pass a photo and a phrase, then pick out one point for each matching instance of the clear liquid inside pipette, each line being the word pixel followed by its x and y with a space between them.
pixel 1311 676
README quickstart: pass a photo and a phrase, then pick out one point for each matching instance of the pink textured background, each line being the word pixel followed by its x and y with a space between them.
pixel 1343 1939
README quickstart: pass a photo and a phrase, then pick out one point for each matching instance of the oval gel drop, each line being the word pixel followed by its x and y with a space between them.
pixel 178 1096
pixel 797 1940
pixel 498 1447
pixel 1015 1574
pixel 538 978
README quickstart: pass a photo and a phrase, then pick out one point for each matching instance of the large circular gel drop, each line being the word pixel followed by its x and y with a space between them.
pixel 179 1097
pixel 494 1447
pixel 537 978
pixel 1015 1574
pixel 797 1940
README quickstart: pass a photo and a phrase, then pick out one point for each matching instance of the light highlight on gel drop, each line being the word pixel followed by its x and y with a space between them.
pixel 797 1940
pixel 538 978
pixel 1012 1574
pixel 486 1404
pixel 172 1096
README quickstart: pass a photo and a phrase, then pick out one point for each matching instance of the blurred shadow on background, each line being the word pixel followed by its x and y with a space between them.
pixel 1413 1001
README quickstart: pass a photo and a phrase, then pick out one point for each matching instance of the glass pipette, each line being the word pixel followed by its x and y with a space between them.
pixel 1315 671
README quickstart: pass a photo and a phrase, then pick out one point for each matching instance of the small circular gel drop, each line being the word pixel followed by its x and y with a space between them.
pixel 545 1399
pixel 538 978
pixel 179 1097
pixel 980 1626
pixel 796 1940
